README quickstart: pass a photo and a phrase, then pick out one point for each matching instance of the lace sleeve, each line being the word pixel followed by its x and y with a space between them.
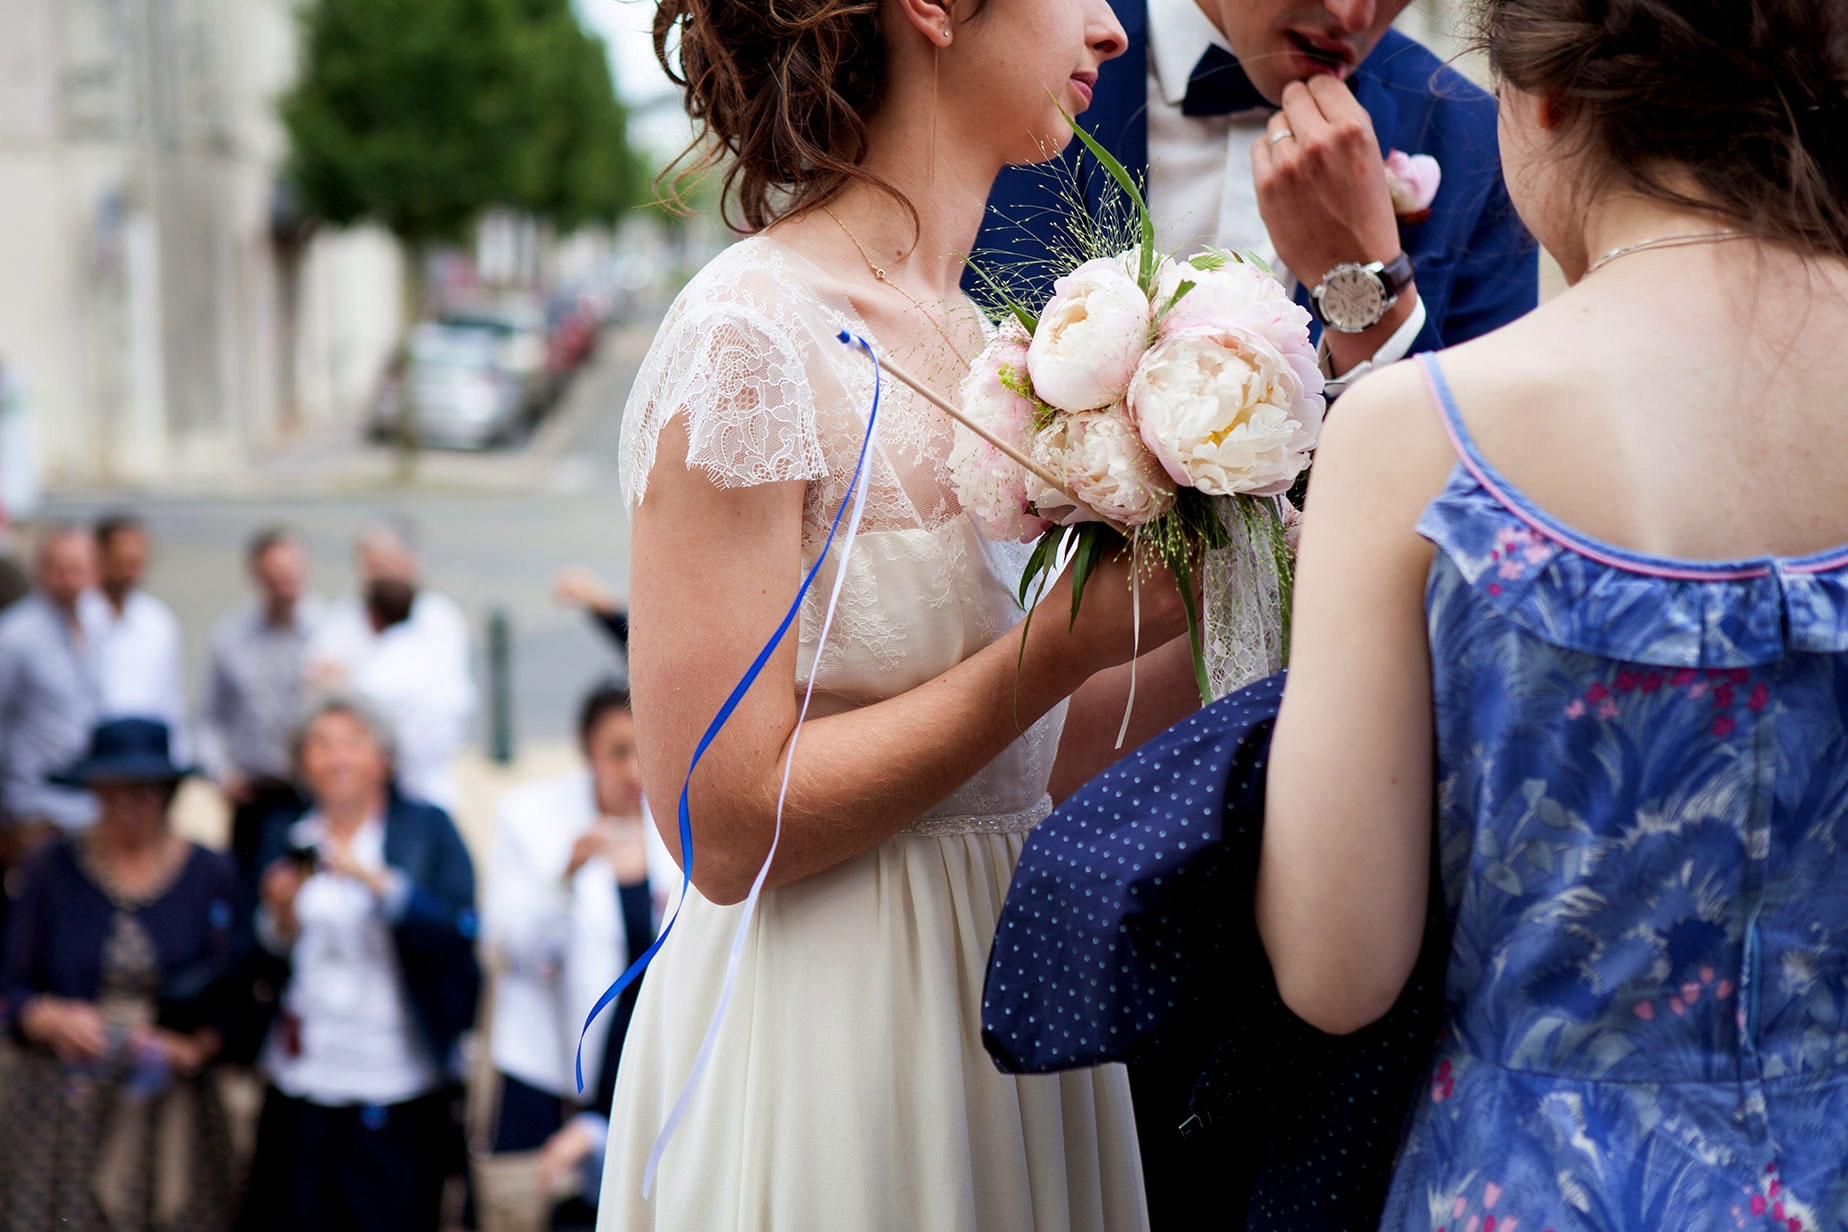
pixel 740 375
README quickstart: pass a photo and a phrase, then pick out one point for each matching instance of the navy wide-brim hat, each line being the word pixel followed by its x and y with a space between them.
pixel 124 751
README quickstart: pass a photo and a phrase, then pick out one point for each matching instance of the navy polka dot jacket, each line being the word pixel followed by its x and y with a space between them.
pixel 1128 936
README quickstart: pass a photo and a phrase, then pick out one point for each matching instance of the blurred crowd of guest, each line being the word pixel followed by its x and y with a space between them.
pixel 332 951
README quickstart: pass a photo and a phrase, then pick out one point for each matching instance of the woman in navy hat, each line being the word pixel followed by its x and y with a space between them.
pixel 114 960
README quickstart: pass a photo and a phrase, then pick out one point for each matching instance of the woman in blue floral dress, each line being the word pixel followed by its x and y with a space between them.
pixel 1580 591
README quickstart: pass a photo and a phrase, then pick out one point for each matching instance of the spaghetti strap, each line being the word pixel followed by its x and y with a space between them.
pixel 1447 408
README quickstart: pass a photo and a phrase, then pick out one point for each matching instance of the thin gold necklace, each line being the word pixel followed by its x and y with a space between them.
pixel 879 275
pixel 1663 241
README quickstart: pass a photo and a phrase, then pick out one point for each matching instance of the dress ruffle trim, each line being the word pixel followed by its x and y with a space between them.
pixel 1674 614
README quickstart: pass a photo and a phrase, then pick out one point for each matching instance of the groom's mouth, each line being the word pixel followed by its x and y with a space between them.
pixel 1085 82
pixel 1314 56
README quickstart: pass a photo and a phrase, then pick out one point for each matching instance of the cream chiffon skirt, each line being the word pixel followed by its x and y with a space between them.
pixel 849 1091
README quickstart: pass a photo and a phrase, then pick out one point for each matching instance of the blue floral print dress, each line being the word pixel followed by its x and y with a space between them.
pixel 1642 782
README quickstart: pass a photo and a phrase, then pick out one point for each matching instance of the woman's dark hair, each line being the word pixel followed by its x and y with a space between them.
pixel 779 92
pixel 602 701
pixel 1746 97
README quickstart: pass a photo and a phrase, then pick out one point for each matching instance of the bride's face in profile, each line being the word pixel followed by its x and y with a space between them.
pixel 1014 64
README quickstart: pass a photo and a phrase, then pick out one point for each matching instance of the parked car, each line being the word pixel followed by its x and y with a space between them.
pixel 516 326
pixel 572 327
pixel 462 395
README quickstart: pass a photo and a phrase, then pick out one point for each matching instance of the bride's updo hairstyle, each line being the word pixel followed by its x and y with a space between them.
pixel 1744 99
pixel 779 92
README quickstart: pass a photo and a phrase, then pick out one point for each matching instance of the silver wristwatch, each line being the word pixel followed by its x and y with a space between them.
pixel 1352 298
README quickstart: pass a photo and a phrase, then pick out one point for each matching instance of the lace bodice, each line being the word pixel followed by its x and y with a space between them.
pixel 748 354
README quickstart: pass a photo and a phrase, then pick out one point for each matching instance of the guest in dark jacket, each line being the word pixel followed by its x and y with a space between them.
pixel 365 927
pixel 114 962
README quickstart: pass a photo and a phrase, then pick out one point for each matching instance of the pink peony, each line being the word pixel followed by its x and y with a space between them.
pixel 1092 332
pixel 1104 464
pixel 987 483
pixel 1225 412
pixel 1236 294
pixel 1412 179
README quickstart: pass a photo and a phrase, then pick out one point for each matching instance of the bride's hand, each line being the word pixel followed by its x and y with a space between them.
pixel 1105 633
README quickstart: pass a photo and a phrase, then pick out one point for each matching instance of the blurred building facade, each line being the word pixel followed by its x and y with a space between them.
pixel 162 310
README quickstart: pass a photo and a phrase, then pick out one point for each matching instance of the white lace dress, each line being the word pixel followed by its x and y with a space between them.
pixel 849 1089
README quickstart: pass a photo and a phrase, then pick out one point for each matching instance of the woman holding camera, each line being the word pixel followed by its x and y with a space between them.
pixel 366 930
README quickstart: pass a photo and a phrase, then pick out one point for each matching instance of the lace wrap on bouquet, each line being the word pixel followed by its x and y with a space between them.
pixel 747 363
pixel 1242 607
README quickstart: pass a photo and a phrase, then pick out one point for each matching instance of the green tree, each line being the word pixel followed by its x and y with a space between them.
pixel 407 113
pixel 575 163
pixel 420 114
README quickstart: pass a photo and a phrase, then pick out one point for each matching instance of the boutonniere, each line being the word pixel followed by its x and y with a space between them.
pixel 1412 179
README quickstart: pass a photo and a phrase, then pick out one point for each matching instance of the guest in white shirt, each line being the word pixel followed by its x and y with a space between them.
pixel 407 649
pixel 134 637
pixel 367 928
pixel 579 881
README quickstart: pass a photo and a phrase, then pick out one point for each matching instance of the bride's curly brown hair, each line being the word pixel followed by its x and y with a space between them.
pixel 779 92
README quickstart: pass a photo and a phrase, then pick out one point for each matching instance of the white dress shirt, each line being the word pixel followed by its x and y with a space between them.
pixel 138 654
pixel 557 945
pixel 358 1041
pixel 1202 190
pixel 418 674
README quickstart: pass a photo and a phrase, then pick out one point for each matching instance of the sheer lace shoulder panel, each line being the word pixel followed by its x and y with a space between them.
pixel 734 356
pixel 750 353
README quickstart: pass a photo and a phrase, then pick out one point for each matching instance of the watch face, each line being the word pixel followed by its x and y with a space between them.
pixel 1352 300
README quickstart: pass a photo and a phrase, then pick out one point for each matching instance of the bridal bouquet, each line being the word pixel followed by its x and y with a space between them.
pixel 1153 401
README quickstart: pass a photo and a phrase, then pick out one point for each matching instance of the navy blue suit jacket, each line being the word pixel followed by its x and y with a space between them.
pixel 1477 267
pixel 434 937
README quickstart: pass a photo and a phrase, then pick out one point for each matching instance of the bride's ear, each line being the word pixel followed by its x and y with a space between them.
pixel 935 20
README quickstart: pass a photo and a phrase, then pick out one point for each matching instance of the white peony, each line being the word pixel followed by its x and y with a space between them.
pixel 1093 331
pixel 1226 412
pixel 1105 464
pixel 987 483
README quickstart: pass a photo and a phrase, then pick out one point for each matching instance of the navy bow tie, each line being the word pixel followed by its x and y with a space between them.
pixel 1218 86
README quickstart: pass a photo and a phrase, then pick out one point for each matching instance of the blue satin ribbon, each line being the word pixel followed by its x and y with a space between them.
pixel 731 704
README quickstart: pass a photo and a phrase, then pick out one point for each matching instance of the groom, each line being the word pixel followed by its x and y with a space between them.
pixel 1262 125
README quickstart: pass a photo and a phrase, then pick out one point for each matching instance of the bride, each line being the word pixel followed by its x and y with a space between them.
pixel 848 1088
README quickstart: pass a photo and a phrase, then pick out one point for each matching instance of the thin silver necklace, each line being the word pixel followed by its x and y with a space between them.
pixel 1663 241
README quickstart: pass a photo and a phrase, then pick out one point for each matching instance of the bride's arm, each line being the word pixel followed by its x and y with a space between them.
pixel 712 571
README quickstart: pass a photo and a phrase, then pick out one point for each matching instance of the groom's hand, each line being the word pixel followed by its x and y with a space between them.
pixel 1322 188
pixel 1322 192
